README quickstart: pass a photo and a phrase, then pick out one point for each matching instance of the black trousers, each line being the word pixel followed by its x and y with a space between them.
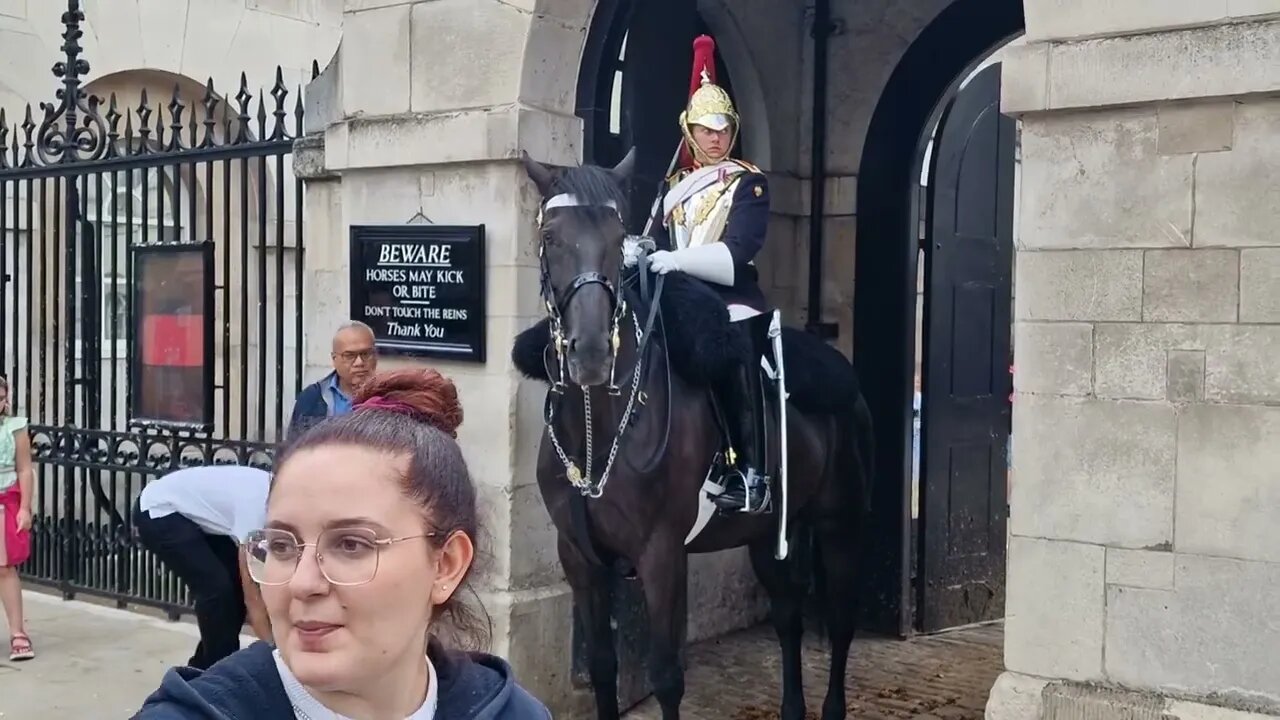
pixel 210 566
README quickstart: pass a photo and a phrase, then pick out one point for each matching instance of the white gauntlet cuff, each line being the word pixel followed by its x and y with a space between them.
pixel 712 262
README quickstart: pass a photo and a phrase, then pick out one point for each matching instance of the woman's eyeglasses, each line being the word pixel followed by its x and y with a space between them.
pixel 347 556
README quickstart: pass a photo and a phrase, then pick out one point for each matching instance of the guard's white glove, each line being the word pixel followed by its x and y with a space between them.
pixel 712 262
pixel 631 247
pixel 663 262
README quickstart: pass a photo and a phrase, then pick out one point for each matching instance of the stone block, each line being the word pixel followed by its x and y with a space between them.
pixel 1240 365
pixel 572 10
pixel 439 139
pixel 1016 697
pixel 1024 78
pixel 1184 710
pixel 1228 500
pixel 1260 285
pixel 1054 608
pixel 1238 193
pixel 1079 285
pixel 1186 376
pixel 1063 19
pixel 534 559
pixel 1191 286
pixel 1153 67
pixel 1140 568
pixel 1132 361
pixel 533 630
pixel 1215 633
pixel 14 8
pixel 161 47
pixel 1073 701
pixel 210 29
pixel 376 57
pixel 724 594
pixel 456 68
pixel 1080 479
pixel 1099 182
pixel 1196 128
pixel 1246 8
pixel 1054 358
pixel 550 63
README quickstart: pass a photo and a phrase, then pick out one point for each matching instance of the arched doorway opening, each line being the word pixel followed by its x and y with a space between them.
pixel 886 276
pixel 621 109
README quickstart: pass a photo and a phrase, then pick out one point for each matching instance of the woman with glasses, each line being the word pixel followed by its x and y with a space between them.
pixel 371 523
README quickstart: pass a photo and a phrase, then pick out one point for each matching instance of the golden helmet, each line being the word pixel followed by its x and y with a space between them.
pixel 711 107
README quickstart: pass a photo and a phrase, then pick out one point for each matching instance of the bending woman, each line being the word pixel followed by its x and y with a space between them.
pixel 371 520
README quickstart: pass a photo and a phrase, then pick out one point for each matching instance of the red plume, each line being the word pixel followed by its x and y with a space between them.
pixel 704 58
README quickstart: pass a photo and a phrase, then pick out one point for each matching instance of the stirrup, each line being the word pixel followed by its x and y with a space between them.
pixel 737 497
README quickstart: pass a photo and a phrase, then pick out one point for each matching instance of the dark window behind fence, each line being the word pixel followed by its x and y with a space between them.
pixel 151 262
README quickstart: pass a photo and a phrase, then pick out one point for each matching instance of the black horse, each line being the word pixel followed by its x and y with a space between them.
pixel 632 434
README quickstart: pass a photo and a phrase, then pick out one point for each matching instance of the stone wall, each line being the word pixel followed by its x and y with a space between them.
pixel 1144 549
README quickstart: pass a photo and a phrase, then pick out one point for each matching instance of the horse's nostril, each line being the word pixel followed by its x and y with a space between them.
pixel 573 344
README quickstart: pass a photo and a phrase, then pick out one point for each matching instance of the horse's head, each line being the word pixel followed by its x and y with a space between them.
pixel 580 251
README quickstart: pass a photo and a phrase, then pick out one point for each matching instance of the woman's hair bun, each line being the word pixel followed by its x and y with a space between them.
pixel 421 393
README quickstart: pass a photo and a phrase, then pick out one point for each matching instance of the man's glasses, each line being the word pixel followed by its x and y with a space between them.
pixel 347 556
pixel 353 355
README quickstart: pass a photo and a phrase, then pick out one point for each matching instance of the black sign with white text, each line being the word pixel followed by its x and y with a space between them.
pixel 421 288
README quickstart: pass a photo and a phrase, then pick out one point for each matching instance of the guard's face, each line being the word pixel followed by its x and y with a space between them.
pixel 713 143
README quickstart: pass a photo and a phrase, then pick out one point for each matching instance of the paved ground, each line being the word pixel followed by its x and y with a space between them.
pixel 940 677
pixel 93 662
pixel 99 663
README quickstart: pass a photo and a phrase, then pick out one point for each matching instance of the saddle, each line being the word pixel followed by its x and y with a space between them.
pixel 702 345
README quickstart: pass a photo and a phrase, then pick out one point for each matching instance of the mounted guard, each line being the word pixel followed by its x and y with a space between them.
pixel 711 224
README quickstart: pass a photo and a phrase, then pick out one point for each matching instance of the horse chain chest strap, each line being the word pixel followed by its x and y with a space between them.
pixel 577 477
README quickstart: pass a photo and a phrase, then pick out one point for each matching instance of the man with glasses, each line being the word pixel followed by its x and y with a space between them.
pixel 354 361
pixel 194 520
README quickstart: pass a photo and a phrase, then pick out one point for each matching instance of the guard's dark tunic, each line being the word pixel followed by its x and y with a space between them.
pixel 744 234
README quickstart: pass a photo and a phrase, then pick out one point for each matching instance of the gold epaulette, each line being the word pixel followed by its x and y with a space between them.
pixel 747 166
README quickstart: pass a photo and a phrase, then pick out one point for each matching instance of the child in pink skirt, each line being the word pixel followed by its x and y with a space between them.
pixel 15 520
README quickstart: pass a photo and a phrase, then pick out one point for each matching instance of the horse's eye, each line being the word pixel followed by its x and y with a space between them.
pixel 547 237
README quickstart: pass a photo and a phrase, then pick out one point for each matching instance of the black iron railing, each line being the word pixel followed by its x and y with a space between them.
pixel 151 287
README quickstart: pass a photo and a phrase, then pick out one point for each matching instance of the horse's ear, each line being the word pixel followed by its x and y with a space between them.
pixel 538 173
pixel 622 171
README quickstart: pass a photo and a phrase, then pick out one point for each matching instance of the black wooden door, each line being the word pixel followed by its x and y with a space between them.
pixel 967 355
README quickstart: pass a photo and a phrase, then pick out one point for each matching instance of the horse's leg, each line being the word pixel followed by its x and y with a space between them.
pixel 663 571
pixel 591 595
pixel 839 550
pixel 786 605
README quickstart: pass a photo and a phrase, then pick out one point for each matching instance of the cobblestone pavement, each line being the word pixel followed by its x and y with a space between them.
pixel 937 677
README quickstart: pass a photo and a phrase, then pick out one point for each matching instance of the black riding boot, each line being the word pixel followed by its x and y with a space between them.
pixel 747 484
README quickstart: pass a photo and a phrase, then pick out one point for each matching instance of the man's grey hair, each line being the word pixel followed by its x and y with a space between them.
pixel 353 325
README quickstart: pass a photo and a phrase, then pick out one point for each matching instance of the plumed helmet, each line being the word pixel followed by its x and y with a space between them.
pixel 709 104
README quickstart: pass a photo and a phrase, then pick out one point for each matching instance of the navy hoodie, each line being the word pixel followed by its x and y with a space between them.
pixel 246 686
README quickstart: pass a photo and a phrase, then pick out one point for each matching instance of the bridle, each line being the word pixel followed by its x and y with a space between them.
pixel 556 306
pixel 582 478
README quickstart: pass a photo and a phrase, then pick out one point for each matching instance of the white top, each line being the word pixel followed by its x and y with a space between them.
pixel 306 707
pixel 226 500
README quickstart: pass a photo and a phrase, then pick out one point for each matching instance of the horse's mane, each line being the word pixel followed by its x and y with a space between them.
pixel 592 185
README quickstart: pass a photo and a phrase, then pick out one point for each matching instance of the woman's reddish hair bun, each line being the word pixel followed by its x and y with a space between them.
pixel 421 393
